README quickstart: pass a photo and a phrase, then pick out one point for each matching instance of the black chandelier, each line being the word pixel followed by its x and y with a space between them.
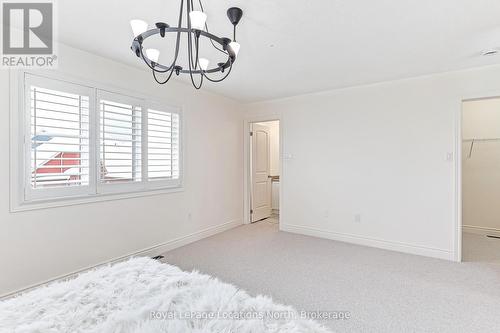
pixel 196 28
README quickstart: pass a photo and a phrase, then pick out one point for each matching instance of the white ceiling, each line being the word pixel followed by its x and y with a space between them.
pixel 291 47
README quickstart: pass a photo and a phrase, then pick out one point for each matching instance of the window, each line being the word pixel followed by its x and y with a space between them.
pixel 82 141
pixel 120 135
pixel 163 145
pixel 58 152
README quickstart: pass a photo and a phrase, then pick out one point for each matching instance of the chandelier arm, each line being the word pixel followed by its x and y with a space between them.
pixel 152 32
pixel 191 71
pixel 214 70
pixel 213 44
pixel 190 52
pixel 206 28
pixel 177 43
pixel 190 41
pixel 221 79
pixel 197 56
pixel 197 59
pixel 166 80
pixel 192 78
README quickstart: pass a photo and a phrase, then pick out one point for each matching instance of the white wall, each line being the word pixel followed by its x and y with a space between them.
pixel 42 244
pixel 274 145
pixel 481 171
pixel 378 154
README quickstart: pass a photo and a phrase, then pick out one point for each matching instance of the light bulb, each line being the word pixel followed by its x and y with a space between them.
pixel 203 63
pixel 138 27
pixel 235 47
pixel 198 19
pixel 153 54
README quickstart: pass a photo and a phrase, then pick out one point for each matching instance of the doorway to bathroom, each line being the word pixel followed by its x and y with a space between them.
pixel 264 167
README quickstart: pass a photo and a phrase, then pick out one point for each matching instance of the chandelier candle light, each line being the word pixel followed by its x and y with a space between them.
pixel 196 28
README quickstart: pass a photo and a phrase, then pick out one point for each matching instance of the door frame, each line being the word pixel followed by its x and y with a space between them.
pixel 247 186
pixel 458 167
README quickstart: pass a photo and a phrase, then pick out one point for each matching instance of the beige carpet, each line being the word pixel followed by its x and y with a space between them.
pixel 384 291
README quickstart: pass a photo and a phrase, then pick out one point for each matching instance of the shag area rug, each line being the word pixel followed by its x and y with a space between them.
pixel 144 295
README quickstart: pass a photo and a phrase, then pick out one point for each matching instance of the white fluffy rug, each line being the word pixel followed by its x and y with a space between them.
pixel 144 295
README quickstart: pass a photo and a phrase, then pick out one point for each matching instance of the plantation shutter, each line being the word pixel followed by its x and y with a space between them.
pixel 59 134
pixel 163 145
pixel 79 141
pixel 120 129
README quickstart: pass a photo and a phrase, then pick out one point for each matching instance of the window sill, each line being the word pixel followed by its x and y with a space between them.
pixel 80 200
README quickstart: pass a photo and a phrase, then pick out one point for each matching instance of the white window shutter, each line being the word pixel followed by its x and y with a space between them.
pixel 163 145
pixel 120 137
pixel 81 141
pixel 58 140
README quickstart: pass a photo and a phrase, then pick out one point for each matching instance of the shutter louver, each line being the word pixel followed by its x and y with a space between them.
pixel 120 142
pixel 59 124
pixel 163 145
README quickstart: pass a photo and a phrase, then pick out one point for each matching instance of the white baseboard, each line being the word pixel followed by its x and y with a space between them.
pixel 181 241
pixel 147 252
pixel 371 242
pixel 472 229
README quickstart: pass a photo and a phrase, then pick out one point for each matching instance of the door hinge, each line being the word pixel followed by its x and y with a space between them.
pixel 251 133
pixel 251 211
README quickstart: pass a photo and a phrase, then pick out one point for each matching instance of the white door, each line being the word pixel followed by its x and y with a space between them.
pixel 261 181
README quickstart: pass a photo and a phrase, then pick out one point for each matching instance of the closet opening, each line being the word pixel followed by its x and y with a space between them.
pixel 481 180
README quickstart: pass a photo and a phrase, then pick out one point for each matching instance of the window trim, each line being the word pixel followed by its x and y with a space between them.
pixel 19 160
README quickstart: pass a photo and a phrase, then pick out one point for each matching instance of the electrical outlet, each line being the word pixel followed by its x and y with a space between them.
pixel 357 218
pixel 190 216
pixel 326 213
